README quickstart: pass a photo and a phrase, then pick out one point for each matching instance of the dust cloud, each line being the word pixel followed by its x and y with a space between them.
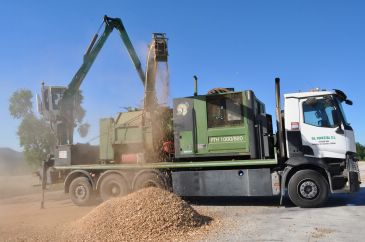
pixel 16 176
pixel 163 84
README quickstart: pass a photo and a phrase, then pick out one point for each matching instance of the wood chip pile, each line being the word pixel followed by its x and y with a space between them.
pixel 149 214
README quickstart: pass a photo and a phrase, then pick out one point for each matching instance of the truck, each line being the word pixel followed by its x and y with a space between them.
pixel 217 144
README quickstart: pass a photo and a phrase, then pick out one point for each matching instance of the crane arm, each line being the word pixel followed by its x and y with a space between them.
pixel 118 24
pixel 94 49
pixel 57 103
pixel 89 59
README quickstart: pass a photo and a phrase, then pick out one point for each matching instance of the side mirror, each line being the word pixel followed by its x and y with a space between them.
pixel 348 102
pixel 339 130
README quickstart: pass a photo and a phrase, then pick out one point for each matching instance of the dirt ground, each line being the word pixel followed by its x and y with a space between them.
pixel 246 219
pixel 22 219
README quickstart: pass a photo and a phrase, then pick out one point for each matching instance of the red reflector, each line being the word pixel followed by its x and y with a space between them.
pixel 294 125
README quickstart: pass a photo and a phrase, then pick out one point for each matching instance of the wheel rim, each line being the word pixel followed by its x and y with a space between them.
pixel 80 192
pixel 308 189
pixel 114 190
pixel 113 186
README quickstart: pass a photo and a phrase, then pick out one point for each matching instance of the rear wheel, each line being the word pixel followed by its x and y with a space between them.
pixel 149 179
pixel 308 189
pixel 81 192
pixel 113 185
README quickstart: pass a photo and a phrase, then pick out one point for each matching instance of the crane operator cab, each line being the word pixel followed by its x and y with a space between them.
pixel 316 125
pixel 49 102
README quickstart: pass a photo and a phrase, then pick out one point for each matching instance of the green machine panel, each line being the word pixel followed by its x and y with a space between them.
pixel 228 142
pixel 184 127
pixel 211 124
pixel 227 130
pixel 123 131
pixel 186 143
pixel 106 138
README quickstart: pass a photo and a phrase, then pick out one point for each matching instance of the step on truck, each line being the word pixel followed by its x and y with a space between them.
pixel 218 144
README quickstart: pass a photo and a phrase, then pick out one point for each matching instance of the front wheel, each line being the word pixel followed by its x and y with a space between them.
pixel 81 192
pixel 308 189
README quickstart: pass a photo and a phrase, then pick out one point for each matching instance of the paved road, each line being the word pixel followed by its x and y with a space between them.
pixel 343 219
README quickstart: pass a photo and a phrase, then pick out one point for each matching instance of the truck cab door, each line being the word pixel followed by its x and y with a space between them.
pixel 321 129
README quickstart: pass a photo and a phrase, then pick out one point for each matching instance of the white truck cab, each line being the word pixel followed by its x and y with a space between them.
pixel 316 125
pixel 319 147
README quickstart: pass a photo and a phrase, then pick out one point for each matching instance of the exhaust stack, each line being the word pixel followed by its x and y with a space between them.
pixel 195 86
pixel 279 120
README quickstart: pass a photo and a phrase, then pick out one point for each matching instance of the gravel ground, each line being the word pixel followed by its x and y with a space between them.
pixel 343 219
pixel 244 219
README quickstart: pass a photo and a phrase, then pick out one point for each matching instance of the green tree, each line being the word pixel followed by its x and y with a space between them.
pixel 35 134
pixel 360 150
pixel 36 138
pixel 79 114
pixel 20 103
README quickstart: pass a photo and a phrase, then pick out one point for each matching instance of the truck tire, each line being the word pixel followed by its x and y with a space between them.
pixel 113 185
pixel 81 191
pixel 308 189
pixel 149 179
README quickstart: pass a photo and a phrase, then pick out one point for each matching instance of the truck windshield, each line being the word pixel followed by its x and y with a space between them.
pixel 339 102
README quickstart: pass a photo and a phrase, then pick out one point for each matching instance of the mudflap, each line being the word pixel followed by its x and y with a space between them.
pixel 283 181
pixel 353 175
pixel 354 181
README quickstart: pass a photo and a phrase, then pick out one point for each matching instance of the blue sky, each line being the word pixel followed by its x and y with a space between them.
pixel 241 44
